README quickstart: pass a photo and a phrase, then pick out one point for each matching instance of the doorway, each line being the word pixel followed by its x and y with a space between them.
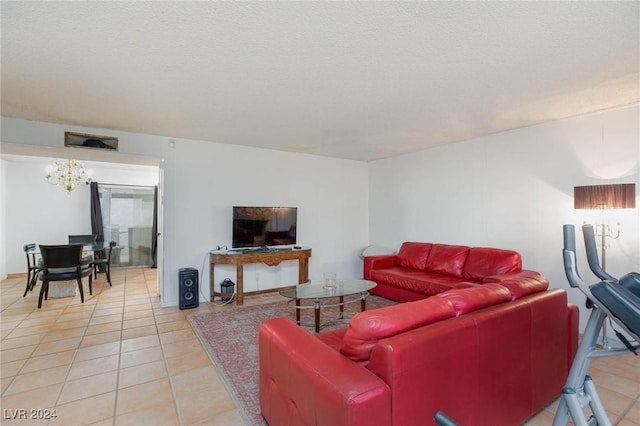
pixel 128 219
pixel 29 162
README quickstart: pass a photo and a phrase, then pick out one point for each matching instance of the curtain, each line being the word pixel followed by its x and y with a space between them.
pixel 154 230
pixel 97 227
pixel 96 221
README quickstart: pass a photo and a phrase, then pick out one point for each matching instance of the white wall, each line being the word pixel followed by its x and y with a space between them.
pixel 204 180
pixel 511 190
pixel 3 211
pixel 514 190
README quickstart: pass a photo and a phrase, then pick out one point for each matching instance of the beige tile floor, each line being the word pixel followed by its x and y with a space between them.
pixel 122 359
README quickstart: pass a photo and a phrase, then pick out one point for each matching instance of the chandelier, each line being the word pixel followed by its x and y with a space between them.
pixel 67 173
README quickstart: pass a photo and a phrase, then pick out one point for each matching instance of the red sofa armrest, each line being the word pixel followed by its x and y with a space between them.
pixel 378 262
pixel 304 381
pixel 520 283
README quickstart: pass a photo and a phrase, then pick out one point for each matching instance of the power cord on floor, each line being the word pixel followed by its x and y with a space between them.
pixel 229 300
pixel 206 256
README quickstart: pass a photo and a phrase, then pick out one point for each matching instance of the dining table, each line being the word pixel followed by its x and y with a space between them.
pixel 86 248
pixel 70 288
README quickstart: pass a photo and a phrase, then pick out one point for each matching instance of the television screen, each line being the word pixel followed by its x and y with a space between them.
pixel 264 226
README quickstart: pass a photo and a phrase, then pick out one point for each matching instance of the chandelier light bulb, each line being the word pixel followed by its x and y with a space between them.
pixel 67 173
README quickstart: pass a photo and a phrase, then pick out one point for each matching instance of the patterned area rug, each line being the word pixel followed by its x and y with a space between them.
pixel 231 339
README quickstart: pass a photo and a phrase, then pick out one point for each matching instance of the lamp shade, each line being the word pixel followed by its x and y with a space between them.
pixel 613 196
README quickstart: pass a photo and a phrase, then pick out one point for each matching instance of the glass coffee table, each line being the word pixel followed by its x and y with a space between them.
pixel 358 289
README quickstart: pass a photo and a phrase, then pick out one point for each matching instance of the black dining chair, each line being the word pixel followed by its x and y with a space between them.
pixel 104 264
pixel 32 267
pixel 63 263
pixel 84 239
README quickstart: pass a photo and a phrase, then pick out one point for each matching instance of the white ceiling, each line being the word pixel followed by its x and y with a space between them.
pixel 355 80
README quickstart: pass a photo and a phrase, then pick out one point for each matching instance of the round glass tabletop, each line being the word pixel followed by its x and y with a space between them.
pixel 316 290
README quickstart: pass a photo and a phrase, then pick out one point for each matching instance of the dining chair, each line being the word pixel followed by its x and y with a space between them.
pixel 84 239
pixel 104 264
pixel 63 263
pixel 32 268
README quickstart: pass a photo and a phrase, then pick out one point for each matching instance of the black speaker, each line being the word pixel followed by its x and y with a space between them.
pixel 188 278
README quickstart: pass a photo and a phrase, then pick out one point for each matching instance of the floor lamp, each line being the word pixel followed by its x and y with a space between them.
pixel 601 197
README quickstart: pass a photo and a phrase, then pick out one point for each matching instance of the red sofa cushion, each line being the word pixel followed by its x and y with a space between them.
pixel 413 255
pixel 422 282
pixel 333 338
pixel 474 298
pixel 366 328
pixel 525 286
pixel 483 262
pixel 447 259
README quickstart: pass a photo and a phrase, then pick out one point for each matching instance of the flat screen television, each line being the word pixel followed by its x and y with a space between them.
pixel 264 226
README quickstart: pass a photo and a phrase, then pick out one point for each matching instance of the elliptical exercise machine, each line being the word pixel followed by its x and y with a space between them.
pixel 618 299
pixel 630 281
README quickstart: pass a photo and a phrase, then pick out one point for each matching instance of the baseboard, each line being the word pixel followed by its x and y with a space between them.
pixel 17 275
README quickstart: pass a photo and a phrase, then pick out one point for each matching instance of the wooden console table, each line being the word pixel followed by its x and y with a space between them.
pixel 271 258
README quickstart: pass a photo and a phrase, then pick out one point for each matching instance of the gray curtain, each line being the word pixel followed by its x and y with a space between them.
pixel 154 230
pixel 97 227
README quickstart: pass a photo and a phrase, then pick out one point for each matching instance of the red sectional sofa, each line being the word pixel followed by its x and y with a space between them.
pixel 420 270
pixel 493 354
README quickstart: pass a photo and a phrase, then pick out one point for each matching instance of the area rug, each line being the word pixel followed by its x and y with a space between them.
pixel 230 337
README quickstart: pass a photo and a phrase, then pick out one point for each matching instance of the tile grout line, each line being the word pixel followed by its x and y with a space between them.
pixel 75 354
pixel 7 336
pixel 626 411
pixel 63 310
pixel 142 291
pixel 166 367
pixel 148 298
pixel 64 381
pixel 115 402
pixel 67 304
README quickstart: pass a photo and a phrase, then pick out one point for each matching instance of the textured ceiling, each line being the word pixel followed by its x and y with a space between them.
pixel 356 80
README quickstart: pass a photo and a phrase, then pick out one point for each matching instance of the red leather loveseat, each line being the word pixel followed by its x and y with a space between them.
pixel 421 270
pixel 493 354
